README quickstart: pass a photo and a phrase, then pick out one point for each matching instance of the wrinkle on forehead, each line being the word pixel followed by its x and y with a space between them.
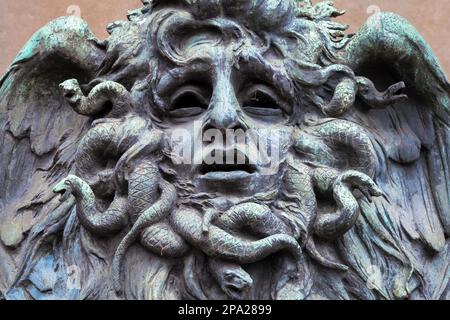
pixel 246 63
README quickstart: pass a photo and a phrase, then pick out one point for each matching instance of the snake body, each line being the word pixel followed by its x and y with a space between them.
pixel 325 171
pixel 259 219
pixel 226 246
pixel 338 223
pixel 97 101
pixel 337 144
pixel 109 140
pixel 157 212
pixel 103 223
pixel 349 88
pixel 129 141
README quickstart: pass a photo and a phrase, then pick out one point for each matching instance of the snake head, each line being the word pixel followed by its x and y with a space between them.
pixel 362 182
pixel 71 91
pixel 395 93
pixel 236 284
pixel 375 99
pixel 65 188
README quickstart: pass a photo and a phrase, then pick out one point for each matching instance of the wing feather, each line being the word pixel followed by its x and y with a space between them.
pixel 38 130
pixel 415 133
pixel 413 141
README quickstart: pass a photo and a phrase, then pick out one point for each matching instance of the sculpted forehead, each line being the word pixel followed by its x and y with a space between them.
pixel 182 36
pixel 210 63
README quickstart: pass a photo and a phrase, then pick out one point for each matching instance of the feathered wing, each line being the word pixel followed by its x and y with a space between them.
pixel 412 138
pixel 38 134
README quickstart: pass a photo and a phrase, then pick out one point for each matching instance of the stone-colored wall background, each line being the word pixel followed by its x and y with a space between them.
pixel 19 19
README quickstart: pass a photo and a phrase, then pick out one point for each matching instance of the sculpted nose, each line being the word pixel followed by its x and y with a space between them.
pixel 224 107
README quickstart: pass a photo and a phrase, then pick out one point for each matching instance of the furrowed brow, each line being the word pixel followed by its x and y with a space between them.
pixel 173 78
pixel 255 63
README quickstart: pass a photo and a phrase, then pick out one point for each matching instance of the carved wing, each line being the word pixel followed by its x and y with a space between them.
pixel 38 134
pixel 413 143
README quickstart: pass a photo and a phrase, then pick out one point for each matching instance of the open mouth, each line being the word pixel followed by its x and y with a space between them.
pixel 229 169
pixel 64 191
pixel 399 90
pixel 69 94
pixel 65 194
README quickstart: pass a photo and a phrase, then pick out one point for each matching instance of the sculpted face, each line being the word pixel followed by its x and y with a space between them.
pixel 227 122
pixel 234 143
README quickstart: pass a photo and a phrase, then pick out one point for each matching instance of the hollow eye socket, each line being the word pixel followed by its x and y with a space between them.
pixel 262 104
pixel 188 104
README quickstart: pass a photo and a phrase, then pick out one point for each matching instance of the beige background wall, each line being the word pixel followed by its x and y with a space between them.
pixel 19 19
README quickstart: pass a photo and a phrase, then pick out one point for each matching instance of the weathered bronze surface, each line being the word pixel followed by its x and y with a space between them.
pixel 119 179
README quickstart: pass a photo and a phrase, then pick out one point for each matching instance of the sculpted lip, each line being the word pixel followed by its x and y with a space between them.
pixel 226 176
pixel 227 172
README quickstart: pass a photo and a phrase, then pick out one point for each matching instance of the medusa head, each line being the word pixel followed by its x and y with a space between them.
pixel 241 142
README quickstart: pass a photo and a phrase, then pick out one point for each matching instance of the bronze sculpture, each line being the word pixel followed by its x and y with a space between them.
pixel 353 202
